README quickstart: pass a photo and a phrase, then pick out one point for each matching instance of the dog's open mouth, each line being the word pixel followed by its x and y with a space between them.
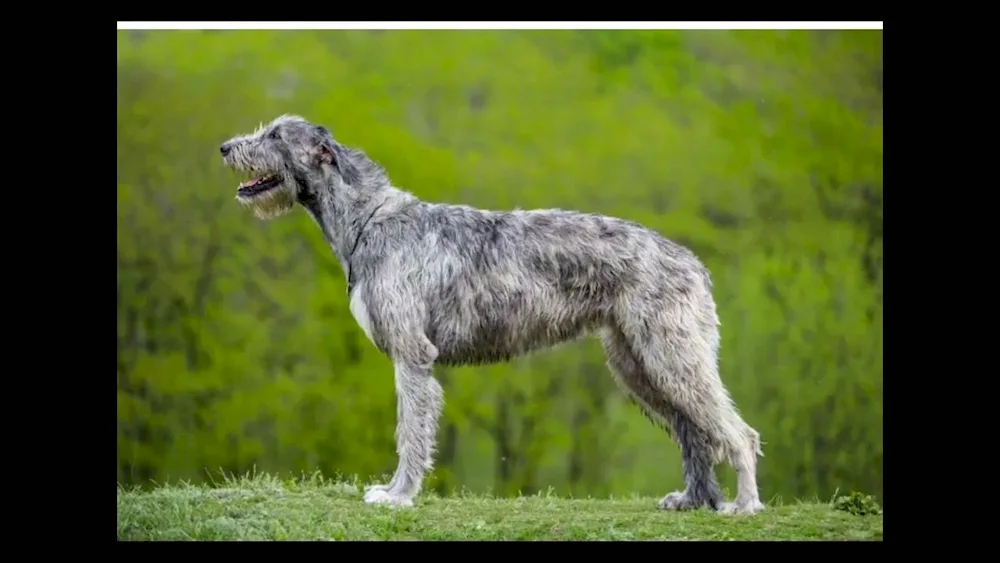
pixel 259 185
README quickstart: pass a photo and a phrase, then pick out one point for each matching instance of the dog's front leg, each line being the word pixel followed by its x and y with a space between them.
pixel 415 404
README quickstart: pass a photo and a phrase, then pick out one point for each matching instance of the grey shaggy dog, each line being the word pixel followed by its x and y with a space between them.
pixel 450 284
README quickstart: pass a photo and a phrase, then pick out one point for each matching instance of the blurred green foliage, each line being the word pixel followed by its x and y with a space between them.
pixel 762 151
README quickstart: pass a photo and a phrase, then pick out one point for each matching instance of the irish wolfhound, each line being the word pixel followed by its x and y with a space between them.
pixel 449 284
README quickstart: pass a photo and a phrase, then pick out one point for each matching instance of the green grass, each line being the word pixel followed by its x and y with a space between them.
pixel 266 508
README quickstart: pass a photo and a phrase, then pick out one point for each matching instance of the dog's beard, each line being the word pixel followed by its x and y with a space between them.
pixel 270 204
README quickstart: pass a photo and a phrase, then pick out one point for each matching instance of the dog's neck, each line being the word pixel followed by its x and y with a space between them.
pixel 343 214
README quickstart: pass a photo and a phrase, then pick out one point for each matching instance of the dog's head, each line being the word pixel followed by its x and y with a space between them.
pixel 285 161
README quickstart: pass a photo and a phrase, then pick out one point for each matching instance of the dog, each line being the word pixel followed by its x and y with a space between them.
pixel 432 283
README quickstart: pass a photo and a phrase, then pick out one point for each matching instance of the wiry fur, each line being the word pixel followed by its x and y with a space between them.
pixel 449 284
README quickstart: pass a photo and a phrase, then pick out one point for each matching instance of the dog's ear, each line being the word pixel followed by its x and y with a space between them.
pixel 324 146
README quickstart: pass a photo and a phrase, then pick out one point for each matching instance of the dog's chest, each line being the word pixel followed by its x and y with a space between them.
pixel 359 310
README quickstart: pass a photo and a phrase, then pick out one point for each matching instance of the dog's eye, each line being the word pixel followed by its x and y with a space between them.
pixel 273 135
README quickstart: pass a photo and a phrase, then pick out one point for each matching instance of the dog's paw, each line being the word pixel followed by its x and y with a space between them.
pixel 676 500
pixel 382 496
pixel 375 492
pixel 741 507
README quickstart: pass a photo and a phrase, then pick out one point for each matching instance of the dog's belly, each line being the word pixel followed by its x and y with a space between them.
pixel 486 339
pixel 490 346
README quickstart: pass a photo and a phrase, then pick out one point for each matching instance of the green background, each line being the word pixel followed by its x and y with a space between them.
pixel 760 150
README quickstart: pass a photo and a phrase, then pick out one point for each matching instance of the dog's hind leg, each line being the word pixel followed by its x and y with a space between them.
pixel 418 400
pixel 677 347
pixel 701 486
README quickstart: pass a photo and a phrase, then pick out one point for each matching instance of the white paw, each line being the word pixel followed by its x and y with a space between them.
pixel 375 492
pixel 673 501
pixel 741 508
pixel 382 496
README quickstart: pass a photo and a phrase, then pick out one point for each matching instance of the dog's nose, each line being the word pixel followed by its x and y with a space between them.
pixel 225 148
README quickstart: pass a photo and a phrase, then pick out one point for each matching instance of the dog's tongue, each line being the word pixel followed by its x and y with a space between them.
pixel 251 183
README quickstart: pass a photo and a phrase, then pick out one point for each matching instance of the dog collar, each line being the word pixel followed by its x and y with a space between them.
pixel 357 240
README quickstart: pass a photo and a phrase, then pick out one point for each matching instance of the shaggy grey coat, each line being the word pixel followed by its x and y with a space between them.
pixel 434 284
